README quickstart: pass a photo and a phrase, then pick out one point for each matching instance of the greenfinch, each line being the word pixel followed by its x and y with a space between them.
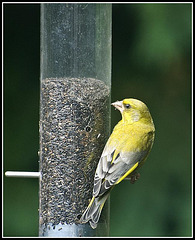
pixel 125 151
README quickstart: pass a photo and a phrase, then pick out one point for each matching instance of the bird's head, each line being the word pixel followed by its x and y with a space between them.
pixel 133 110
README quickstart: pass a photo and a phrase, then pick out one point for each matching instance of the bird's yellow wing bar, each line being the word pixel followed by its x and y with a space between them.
pixel 127 173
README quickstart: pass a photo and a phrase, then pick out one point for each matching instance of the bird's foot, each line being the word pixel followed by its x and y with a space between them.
pixel 134 177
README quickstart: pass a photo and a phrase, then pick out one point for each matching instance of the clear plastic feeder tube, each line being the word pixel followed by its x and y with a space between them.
pixel 74 114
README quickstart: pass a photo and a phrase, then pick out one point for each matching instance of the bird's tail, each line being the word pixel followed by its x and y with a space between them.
pixel 93 211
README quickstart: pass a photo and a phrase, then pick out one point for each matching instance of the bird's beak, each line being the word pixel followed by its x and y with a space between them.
pixel 118 105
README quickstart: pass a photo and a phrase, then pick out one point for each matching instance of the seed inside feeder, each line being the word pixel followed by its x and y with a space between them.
pixel 74 127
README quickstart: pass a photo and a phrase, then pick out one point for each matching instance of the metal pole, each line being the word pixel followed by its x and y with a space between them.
pixel 22 174
pixel 74 114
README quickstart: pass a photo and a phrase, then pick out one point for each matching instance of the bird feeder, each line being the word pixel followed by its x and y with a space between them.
pixel 75 87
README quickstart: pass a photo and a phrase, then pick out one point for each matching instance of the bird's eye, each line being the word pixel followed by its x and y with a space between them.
pixel 127 106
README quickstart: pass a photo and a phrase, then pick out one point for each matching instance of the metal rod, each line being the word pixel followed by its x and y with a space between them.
pixel 22 174
pixel 30 174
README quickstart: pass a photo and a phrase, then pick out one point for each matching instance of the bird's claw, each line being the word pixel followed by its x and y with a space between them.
pixel 134 177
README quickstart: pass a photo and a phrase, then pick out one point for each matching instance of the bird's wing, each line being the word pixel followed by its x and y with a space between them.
pixel 102 168
pixel 114 166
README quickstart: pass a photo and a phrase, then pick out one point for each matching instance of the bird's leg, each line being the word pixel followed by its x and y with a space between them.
pixel 134 177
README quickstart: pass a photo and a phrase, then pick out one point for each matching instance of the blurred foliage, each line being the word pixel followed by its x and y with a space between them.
pixel 151 62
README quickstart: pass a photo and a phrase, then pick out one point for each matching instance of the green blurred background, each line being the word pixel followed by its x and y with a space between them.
pixel 151 61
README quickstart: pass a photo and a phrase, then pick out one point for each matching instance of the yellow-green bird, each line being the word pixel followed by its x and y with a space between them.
pixel 125 151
